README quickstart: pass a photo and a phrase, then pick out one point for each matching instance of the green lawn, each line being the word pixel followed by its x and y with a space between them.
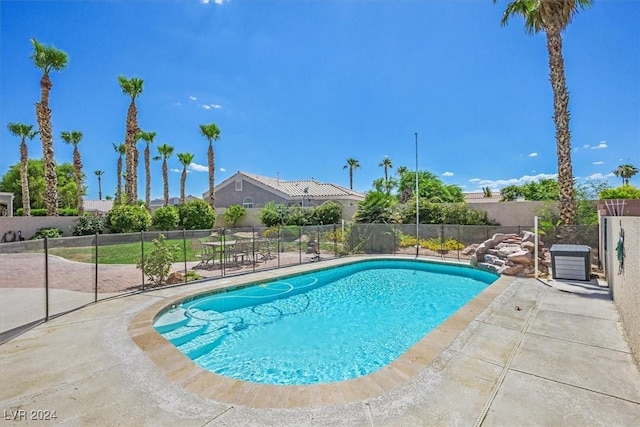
pixel 126 253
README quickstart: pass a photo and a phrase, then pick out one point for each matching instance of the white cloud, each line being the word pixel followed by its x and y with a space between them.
pixel 214 1
pixel 499 183
pixel 586 146
pixel 193 98
pixel 198 168
pixel 599 176
pixel 598 163
pixel 223 170
pixel 603 144
pixel 447 173
pixel 533 155
pixel 178 104
pixel 176 170
pixel 210 106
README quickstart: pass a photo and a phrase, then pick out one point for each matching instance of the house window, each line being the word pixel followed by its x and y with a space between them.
pixel 247 202
pixel 239 185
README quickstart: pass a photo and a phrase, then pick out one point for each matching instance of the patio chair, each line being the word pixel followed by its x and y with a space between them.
pixel 241 251
pixel 204 253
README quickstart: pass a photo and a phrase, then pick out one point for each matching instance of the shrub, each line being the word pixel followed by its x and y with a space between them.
pixel 327 213
pixel 270 216
pixel 157 263
pixel 50 232
pixel 166 218
pixel 43 212
pixel 128 219
pixel 87 225
pixel 626 191
pixel 197 215
pixel 233 214
pixel 299 216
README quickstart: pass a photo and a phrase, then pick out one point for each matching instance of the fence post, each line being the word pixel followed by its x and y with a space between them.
pixel 142 256
pixel 458 244
pixel 335 242
pixel 280 237
pixel 184 253
pixel 46 279
pixel 253 247
pixel 96 279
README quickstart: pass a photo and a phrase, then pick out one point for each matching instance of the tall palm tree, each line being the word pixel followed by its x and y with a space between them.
pixel 386 164
pixel 47 58
pixel 625 172
pixel 148 138
pixel 352 164
pixel 133 88
pixel 552 17
pixel 165 152
pixel 23 132
pixel 185 160
pixel 212 133
pixel 99 174
pixel 401 170
pixel 74 137
pixel 121 149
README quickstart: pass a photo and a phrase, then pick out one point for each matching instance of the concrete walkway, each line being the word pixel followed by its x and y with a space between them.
pixel 539 355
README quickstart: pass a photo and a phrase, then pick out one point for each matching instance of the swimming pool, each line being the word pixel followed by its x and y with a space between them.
pixel 325 326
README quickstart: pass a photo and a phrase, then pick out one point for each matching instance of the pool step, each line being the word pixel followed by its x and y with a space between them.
pixel 185 333
pixel 171 320
pixel 203 344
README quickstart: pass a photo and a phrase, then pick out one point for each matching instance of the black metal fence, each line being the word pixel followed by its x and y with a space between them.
pixel 42 279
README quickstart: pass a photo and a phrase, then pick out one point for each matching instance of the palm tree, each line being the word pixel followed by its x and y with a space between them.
pixel 99 174
pixel 47 58
pixel 133 88
pixel 401 170
pixel 352 164
pixel 185 160
pixel 552 17
pixel 74 137
pixel 23 132
pixel 212 133
pixel 148 138
pixel 165 152
pixel 625 172
pixel 386 164
pixel 121 149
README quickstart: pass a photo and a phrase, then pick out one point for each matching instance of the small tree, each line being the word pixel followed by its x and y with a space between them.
pixel 233 214
pixel 166 218
pixel 157 263
pixel 197 215
pixel 128 219
pixel 327 213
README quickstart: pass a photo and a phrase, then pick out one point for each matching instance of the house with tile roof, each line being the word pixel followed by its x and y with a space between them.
pixel 254 191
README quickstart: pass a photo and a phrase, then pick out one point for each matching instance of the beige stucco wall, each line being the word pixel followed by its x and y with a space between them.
pixel 625 284
pixel 29 224
pixel 510 214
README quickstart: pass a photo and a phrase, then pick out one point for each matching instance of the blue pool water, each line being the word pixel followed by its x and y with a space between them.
pixel 324 326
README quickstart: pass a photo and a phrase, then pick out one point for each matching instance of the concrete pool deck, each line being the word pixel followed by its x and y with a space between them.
pixel 522 353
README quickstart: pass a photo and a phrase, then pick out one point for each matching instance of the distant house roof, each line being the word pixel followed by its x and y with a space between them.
pixel 101 206
pixel 304 187
pixel 294 190
pixel 156 203
pixel 479 197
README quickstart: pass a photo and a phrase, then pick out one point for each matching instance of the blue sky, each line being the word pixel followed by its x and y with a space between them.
pixel 297 87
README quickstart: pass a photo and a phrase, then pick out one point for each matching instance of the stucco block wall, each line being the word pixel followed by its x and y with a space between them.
pixel 252 217
pixel 625 284
pixel 511 214
pixel 30 224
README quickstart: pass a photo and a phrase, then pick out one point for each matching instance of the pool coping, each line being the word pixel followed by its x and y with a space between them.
pixel 184 372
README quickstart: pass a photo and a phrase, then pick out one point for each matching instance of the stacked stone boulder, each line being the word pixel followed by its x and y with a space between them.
pixel 510 254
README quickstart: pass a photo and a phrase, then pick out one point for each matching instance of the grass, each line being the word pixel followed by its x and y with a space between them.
pixel 125 253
